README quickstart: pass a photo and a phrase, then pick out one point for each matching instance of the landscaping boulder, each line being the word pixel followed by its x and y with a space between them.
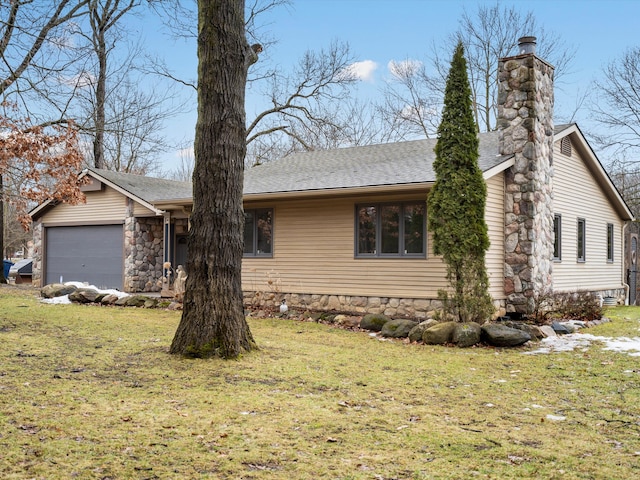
pixel 439 334
pixel 397 328
pixel 415 335
pixel 374 322
pixel 121 302
pixel 135 301
pixel 499 335
pixel 109 299
pixel 86 295
pixel 533 330
pixel 56 290
pixel 347 321
pixel 466 334
pixel 547 331
pixel 178 306
pixel 151 303
pixel 562 328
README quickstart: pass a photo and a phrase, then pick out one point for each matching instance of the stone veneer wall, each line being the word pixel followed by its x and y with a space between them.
pixel 36 267
pixel 525 123
pixel 417 308
pixel 143 254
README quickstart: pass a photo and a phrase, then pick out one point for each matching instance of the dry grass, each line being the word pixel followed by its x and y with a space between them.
pixel 90 392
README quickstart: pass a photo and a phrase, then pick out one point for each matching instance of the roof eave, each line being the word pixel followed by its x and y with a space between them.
pixel 501 167
pixel 597 170
pixel 346 191
pixel 125 192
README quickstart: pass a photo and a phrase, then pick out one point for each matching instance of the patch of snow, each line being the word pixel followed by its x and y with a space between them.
pixel 582 341
pixel 108 291
pixel 622 344
pixel 556 418
pixel 64 299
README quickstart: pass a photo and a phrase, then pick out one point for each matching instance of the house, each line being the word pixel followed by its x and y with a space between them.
pixel 346 229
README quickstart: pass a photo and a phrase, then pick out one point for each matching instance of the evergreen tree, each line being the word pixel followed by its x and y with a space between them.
pixel 457 202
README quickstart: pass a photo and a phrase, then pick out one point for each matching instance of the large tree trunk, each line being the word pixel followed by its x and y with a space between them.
pixel 98 24
pixel 213 321
pixel 2 279
pixel 101 91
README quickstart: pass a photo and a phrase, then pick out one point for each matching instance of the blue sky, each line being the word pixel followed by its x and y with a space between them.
pixel 379 31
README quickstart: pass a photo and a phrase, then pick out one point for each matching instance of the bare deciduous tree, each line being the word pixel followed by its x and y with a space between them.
pixel 412 101
pixel 301 105
pixel 34 50
pixel 43 163
pixel 33 42
pixel 104 17
pixel 121 112
pixel 184 171
pixel 489 33
pixel 301 99
pixel 617 105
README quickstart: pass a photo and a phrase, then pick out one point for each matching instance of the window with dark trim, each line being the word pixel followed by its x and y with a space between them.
pixel 557 237
pixel 609 242
pixel 391 229
pixel 581 240
pixel 258 232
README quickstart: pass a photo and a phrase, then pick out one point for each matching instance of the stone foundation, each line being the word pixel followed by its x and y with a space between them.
pixel 415 308
pixel 619 294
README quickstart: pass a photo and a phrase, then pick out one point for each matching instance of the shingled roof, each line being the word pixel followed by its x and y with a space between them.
pixel 150 189
pixel 386 165
pixel 402 163
pixel 389 164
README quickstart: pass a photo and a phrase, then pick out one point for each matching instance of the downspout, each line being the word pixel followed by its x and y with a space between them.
pixel 626 287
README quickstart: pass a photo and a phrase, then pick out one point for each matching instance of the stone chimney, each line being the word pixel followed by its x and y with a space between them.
pixel 525 125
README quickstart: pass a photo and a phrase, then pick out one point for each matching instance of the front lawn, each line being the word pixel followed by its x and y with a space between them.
pixel 90 392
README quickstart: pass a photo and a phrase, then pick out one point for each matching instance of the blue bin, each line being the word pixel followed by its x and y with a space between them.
pixel 7 266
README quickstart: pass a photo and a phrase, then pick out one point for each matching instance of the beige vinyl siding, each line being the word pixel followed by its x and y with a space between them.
pixel 494 217
pixel 577 195
pixel 103 206
pixel 142 211
pixel 314 252
pixel 107 205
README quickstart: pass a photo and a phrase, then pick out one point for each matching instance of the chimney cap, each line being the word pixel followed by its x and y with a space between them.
pixel 527 45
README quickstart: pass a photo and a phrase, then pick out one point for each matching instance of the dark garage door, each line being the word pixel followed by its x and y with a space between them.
pixel 90 254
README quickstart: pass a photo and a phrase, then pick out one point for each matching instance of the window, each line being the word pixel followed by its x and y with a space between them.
pixel 581 243
pixel 391 230
pixel 258 233
pixel 609 242
pixel 557 237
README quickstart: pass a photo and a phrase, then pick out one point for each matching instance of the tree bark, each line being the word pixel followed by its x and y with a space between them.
pixel 213 321
pixel 2 279
pixel 101 91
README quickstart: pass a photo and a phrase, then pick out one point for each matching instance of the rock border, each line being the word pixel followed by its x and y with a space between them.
pixel 503 333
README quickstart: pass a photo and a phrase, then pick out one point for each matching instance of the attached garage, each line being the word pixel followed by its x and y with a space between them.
pixel 87 253
pixel 116 237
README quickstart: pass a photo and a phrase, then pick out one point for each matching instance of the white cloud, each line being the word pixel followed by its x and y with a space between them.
pixel 361 70
pixel 82 80
pixel 404 68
